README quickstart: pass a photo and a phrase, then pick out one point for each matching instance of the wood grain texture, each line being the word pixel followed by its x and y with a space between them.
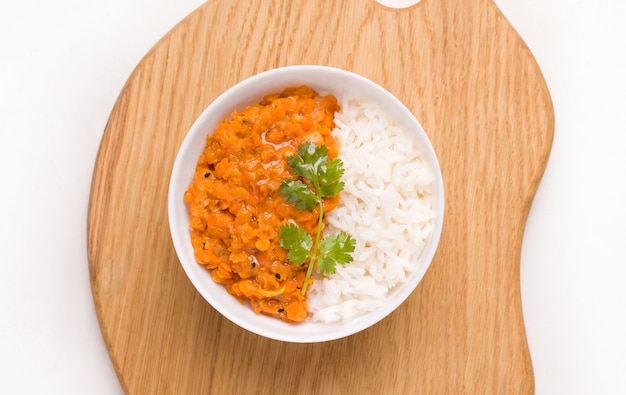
pixel 478 92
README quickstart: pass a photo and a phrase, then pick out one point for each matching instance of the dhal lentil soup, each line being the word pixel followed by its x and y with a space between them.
pixel 236 209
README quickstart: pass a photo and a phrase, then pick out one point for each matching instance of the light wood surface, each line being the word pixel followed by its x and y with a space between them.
pixel 478 92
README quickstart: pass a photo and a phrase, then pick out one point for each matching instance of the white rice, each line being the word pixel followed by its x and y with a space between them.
pixel 386 205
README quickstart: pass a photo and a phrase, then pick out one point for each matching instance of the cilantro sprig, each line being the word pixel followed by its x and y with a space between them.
pixel 319 178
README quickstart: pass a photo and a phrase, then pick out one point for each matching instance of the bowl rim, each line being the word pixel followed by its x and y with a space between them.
pixel 215 112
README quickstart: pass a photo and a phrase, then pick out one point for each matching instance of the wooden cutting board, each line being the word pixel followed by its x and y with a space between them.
pixel 478 92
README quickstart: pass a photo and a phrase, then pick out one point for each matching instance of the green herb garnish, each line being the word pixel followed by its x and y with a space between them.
pixel 320 177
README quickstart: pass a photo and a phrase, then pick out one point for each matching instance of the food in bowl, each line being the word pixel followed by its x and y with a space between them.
pixel 388 204
pixel 240 214
pixel 357 296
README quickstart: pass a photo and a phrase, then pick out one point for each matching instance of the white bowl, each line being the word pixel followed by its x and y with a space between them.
pixel 324 80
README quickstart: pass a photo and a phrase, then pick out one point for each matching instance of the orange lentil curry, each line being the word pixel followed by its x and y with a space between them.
pixel 236 208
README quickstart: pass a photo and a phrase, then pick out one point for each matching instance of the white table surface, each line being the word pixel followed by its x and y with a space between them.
pixel 62 65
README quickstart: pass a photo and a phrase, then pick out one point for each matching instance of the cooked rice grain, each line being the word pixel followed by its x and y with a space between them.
pixel 387 205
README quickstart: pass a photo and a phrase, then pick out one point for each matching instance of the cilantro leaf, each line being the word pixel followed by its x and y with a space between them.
pixel 296 191
pixel 297 241
pixel 335 249
pixel 329 178
pixel 312 164
pixel 308 161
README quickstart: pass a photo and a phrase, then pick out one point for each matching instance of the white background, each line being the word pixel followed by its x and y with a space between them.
pixel 62 65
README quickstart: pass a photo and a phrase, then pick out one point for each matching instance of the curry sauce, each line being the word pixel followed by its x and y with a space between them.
pixel 236 209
